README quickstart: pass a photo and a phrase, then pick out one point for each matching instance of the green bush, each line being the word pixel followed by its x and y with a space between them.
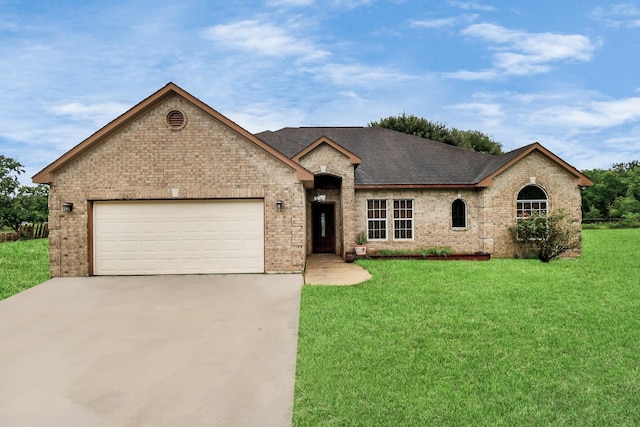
pixel 547 235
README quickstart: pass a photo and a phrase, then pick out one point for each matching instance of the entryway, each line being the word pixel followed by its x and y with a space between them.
pixel 324 228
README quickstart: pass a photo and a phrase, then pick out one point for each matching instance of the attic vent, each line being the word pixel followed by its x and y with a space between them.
pixel 175 119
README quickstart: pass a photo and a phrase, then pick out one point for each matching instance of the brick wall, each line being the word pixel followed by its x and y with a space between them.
pixel 500 199
pixel 432 219
pixel 205 160
pixel 490 211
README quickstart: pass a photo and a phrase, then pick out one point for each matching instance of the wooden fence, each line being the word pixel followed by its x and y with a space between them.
pixel 25 232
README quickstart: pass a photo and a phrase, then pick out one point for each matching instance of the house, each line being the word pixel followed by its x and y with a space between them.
pixel 174 187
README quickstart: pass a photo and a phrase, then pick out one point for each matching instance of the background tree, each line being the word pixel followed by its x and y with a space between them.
pixel 615 192
pixel 10 169
pixel 31 204
pixel 418 126
pixel 20 203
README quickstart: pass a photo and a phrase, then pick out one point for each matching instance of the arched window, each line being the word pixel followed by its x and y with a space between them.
pixel 532 199
pixel 459 214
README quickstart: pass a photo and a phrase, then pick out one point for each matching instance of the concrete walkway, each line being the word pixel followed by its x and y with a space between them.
pixel 151 351
pixel 331 269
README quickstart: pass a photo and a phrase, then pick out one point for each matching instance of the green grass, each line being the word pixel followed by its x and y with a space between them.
pixel 23 264
pixel 504 342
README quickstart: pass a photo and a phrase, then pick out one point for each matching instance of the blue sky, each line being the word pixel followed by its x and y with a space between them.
pixel 564 74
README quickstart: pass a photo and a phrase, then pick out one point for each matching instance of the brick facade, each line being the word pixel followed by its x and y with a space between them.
pixel 431 219
pixel 490 211
pixel 140 156
pixel 562 190
pixel 146 159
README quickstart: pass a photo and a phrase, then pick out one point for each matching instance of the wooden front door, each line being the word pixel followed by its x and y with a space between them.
pixel 324 228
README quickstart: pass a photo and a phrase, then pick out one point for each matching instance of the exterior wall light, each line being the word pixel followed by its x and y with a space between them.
pixel 67 207
pixel 279 205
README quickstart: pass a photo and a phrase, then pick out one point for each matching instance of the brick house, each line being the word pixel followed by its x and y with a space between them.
pixel 174 187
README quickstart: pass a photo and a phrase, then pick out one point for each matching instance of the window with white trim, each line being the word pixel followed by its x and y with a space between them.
pixel 377 219
pixel 459 214
pixel 403 219
pixel 531 200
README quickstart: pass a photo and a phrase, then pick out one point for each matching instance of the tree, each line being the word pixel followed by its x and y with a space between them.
pixel 547 235
pixel 418 126
pixel 10 169
pixel 31 204
pixel 19 203
pixel 615 192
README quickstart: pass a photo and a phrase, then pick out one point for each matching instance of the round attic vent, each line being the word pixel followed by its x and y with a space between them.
pixel 176 119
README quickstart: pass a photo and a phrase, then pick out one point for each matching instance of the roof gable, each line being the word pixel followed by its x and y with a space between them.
pixel 47 175
pixel 354 159
pixel 503 162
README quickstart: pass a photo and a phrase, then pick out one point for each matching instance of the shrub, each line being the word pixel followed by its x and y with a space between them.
pixel 548 236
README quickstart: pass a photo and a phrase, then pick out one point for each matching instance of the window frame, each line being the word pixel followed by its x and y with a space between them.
pixel 406 219
pixel 463 216
pixel 523 213
pixel 380 220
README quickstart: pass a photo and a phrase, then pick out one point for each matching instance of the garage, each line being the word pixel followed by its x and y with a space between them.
pixel 178 237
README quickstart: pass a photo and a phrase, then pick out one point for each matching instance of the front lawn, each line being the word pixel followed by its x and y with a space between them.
pixel 23 264
pixel 504 342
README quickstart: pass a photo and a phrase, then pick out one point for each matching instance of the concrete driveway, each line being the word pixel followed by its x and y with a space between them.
pixel 150 351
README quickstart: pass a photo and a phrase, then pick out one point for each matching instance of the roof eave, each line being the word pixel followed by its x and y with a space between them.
pixel 414 186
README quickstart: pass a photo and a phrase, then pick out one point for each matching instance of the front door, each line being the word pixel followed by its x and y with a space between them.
pixel 324 228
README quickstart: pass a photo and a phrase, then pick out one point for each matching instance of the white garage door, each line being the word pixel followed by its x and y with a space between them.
pixel 178 237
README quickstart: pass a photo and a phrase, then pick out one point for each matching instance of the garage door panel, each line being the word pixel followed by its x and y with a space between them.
pixel 178 237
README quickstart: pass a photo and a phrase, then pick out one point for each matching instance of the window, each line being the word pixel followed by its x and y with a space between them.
pixel 376 219
pixel 403 219
pixel 458 214
pixel 531 199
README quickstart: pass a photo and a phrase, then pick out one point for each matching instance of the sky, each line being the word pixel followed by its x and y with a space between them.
pixel 562 73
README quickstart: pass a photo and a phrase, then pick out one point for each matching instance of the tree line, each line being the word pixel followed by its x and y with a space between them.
pixel 615 192
pixel 436 131
pixel 20 203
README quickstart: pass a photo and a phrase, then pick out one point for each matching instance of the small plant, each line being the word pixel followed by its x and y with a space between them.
pixel 438 251
pixel 548 236
pixel 424 252
pixel 361 239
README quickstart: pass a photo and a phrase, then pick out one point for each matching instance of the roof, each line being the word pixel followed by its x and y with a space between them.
pixel 47 175
pixel 394 159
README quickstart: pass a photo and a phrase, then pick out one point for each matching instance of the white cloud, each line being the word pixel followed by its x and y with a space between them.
pixel 444 22
pixel 490 111
pixel 99 114
pixel 472 5
pixel 360 75
pixel 435 23
pixel 596 114
pixel 264 39
pixel 618 15
pixel 473 75
pixel 290 3
pixel 522 53
pixel 350 4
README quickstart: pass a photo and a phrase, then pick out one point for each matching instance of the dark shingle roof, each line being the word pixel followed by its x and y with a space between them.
pixel 498 162
pixel 390 157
